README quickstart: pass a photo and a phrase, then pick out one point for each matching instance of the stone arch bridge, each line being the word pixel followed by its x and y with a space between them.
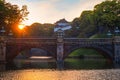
pixel 59 48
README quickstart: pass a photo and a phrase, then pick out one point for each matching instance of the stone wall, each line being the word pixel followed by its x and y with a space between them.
pixel 117 49
pixel 2 50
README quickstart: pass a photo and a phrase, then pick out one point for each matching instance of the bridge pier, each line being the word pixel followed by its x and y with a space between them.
pixel 60 46
pixel 2 50
pixel 60 51
pixel 117 50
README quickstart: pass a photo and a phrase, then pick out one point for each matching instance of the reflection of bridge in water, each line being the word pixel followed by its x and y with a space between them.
pixel 59 48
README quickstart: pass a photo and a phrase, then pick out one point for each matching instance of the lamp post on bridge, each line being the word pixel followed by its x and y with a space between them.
pixel 10 33
pixel 109 34
pixel 117 31
pixel 2 31
pixel 60 35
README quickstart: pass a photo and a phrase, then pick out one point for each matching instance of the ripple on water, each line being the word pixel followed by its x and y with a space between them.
pixel 48 74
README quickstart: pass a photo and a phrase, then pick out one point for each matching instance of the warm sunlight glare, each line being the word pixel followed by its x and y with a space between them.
pixel 21 26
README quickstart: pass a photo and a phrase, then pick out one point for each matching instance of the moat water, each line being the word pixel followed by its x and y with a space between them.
pixel 48 69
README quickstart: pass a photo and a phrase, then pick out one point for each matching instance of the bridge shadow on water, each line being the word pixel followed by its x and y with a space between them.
pixel 68 64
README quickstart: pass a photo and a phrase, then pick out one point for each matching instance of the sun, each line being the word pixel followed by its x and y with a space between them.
pixel 21 26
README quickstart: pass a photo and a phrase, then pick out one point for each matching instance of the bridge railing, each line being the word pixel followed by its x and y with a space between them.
pixel 32 40
pixel 89 41
pixel 66 40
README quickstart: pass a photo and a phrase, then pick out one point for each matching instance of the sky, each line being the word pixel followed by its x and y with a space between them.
pixel 50 11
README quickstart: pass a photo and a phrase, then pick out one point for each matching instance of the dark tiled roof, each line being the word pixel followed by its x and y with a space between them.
pixel 62 21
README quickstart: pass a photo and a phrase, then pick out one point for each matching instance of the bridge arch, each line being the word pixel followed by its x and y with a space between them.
pixel 42 48
pixel 106 53
pixel 14 50
pixel 39 52
pixel 29 52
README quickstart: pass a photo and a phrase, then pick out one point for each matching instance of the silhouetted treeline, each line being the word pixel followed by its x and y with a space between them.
pixel 39 30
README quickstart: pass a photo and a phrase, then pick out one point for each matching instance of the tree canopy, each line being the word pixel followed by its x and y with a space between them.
pixel 107 14
pixel 41 30
pixel 104 17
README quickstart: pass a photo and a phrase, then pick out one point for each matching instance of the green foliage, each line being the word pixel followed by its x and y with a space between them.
pixel 84 24
pixel 74 32
pixel 107 14
pixel 84 51
pixel 86 64
pixel 104 17
pixel 99 36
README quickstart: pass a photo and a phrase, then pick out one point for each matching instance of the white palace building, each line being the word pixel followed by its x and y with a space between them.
pixel 62 24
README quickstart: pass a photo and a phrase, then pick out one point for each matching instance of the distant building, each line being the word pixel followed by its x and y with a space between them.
pixel 117 31
pixel 62 24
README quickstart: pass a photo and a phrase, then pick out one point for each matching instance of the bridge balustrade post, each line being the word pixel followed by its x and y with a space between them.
pixel 2 50
pixel 117 50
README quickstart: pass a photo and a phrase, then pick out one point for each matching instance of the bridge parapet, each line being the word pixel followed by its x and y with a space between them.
pixel 88 41
pixel 117 49
pixel 31 40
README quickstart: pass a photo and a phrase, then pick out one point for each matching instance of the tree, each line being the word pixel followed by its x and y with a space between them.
pixel 74 31
pixel 11 16
pixel 84 25
pixel 107 14
pixel 37 29
pixel 87 24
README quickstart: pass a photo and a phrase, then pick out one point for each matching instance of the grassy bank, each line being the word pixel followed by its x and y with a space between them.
pixel 85 52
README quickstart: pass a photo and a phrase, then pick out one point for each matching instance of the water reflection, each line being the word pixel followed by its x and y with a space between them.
pixel 49 69
pixel 41 57
pixel 87 64
pixel 69 63
pixel 48 74
pixel 34 64
pixel 60 65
